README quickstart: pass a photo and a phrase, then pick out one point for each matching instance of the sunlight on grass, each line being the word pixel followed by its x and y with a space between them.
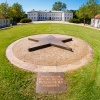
pixel 82 84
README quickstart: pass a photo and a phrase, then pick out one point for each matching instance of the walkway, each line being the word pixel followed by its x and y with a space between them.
pixel 62 22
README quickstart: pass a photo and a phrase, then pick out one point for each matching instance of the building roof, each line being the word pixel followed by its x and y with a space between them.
pixel 48 11
pixel 97 16
pixel 1 17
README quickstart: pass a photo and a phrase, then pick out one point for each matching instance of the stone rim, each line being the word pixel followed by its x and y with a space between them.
pixel 38 68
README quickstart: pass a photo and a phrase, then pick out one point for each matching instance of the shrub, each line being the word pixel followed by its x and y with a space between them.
pixel 74 20
pixel 25 20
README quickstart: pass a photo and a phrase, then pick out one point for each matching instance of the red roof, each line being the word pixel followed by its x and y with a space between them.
pixel 97 16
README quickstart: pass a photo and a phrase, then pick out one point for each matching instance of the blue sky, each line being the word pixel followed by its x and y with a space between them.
pixel 45 4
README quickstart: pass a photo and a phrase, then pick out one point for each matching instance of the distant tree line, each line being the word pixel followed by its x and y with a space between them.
pixel 14 12
pixel 83 15
pixel 86 12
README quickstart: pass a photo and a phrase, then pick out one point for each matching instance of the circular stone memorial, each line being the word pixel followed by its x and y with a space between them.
pixel 49 53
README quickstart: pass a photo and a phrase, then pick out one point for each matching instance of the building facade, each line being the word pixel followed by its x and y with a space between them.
pixel 50 15
pixel 95 22
pixel 4 22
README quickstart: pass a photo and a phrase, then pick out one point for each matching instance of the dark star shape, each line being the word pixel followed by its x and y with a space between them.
pixel 50 41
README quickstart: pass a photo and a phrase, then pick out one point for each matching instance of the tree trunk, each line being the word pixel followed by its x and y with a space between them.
pixel 84 21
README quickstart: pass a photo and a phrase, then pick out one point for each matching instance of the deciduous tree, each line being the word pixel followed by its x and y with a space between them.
pixel 82 13
pixel 93 8
pixel 16 11
pixel 59 6
pixel 4 9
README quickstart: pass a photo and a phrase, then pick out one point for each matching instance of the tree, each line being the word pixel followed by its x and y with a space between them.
pixel 59 6
pixel 82 13
pixel 4 10
pixel 16 11
pixel 74 13
pixel 93 8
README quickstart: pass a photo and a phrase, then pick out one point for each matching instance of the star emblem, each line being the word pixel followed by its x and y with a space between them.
pixel 50 41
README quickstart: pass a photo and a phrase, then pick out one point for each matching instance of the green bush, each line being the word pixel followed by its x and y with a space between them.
pixel 74 20
pixel 25 20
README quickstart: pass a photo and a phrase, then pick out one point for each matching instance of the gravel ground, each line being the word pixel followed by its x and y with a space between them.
pixel 51 56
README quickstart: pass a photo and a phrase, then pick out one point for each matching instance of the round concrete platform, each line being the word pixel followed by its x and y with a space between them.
pixel 50 59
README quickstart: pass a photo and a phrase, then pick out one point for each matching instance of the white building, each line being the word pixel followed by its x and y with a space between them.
pixel 4 22
pixel 95 22
pixel 50 15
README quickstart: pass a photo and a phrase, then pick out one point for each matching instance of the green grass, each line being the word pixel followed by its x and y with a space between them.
pixel 82 84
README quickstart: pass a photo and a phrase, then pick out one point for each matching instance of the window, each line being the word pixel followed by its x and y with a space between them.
pixel 7 20
pixel 0 21
pixel 68 18
pixel 31 14
pixel 34 17
pixel 4 21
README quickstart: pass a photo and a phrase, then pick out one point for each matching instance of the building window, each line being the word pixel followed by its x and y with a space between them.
pixel 4 21
pixel 7 20
pixel 34 17
pixel 31 14
pixel 0 22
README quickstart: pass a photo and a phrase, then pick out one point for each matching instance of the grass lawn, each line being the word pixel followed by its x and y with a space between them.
pixel 82 84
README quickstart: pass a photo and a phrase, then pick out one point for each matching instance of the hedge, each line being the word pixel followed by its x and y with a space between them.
pixel 74 20
pixel 25 20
